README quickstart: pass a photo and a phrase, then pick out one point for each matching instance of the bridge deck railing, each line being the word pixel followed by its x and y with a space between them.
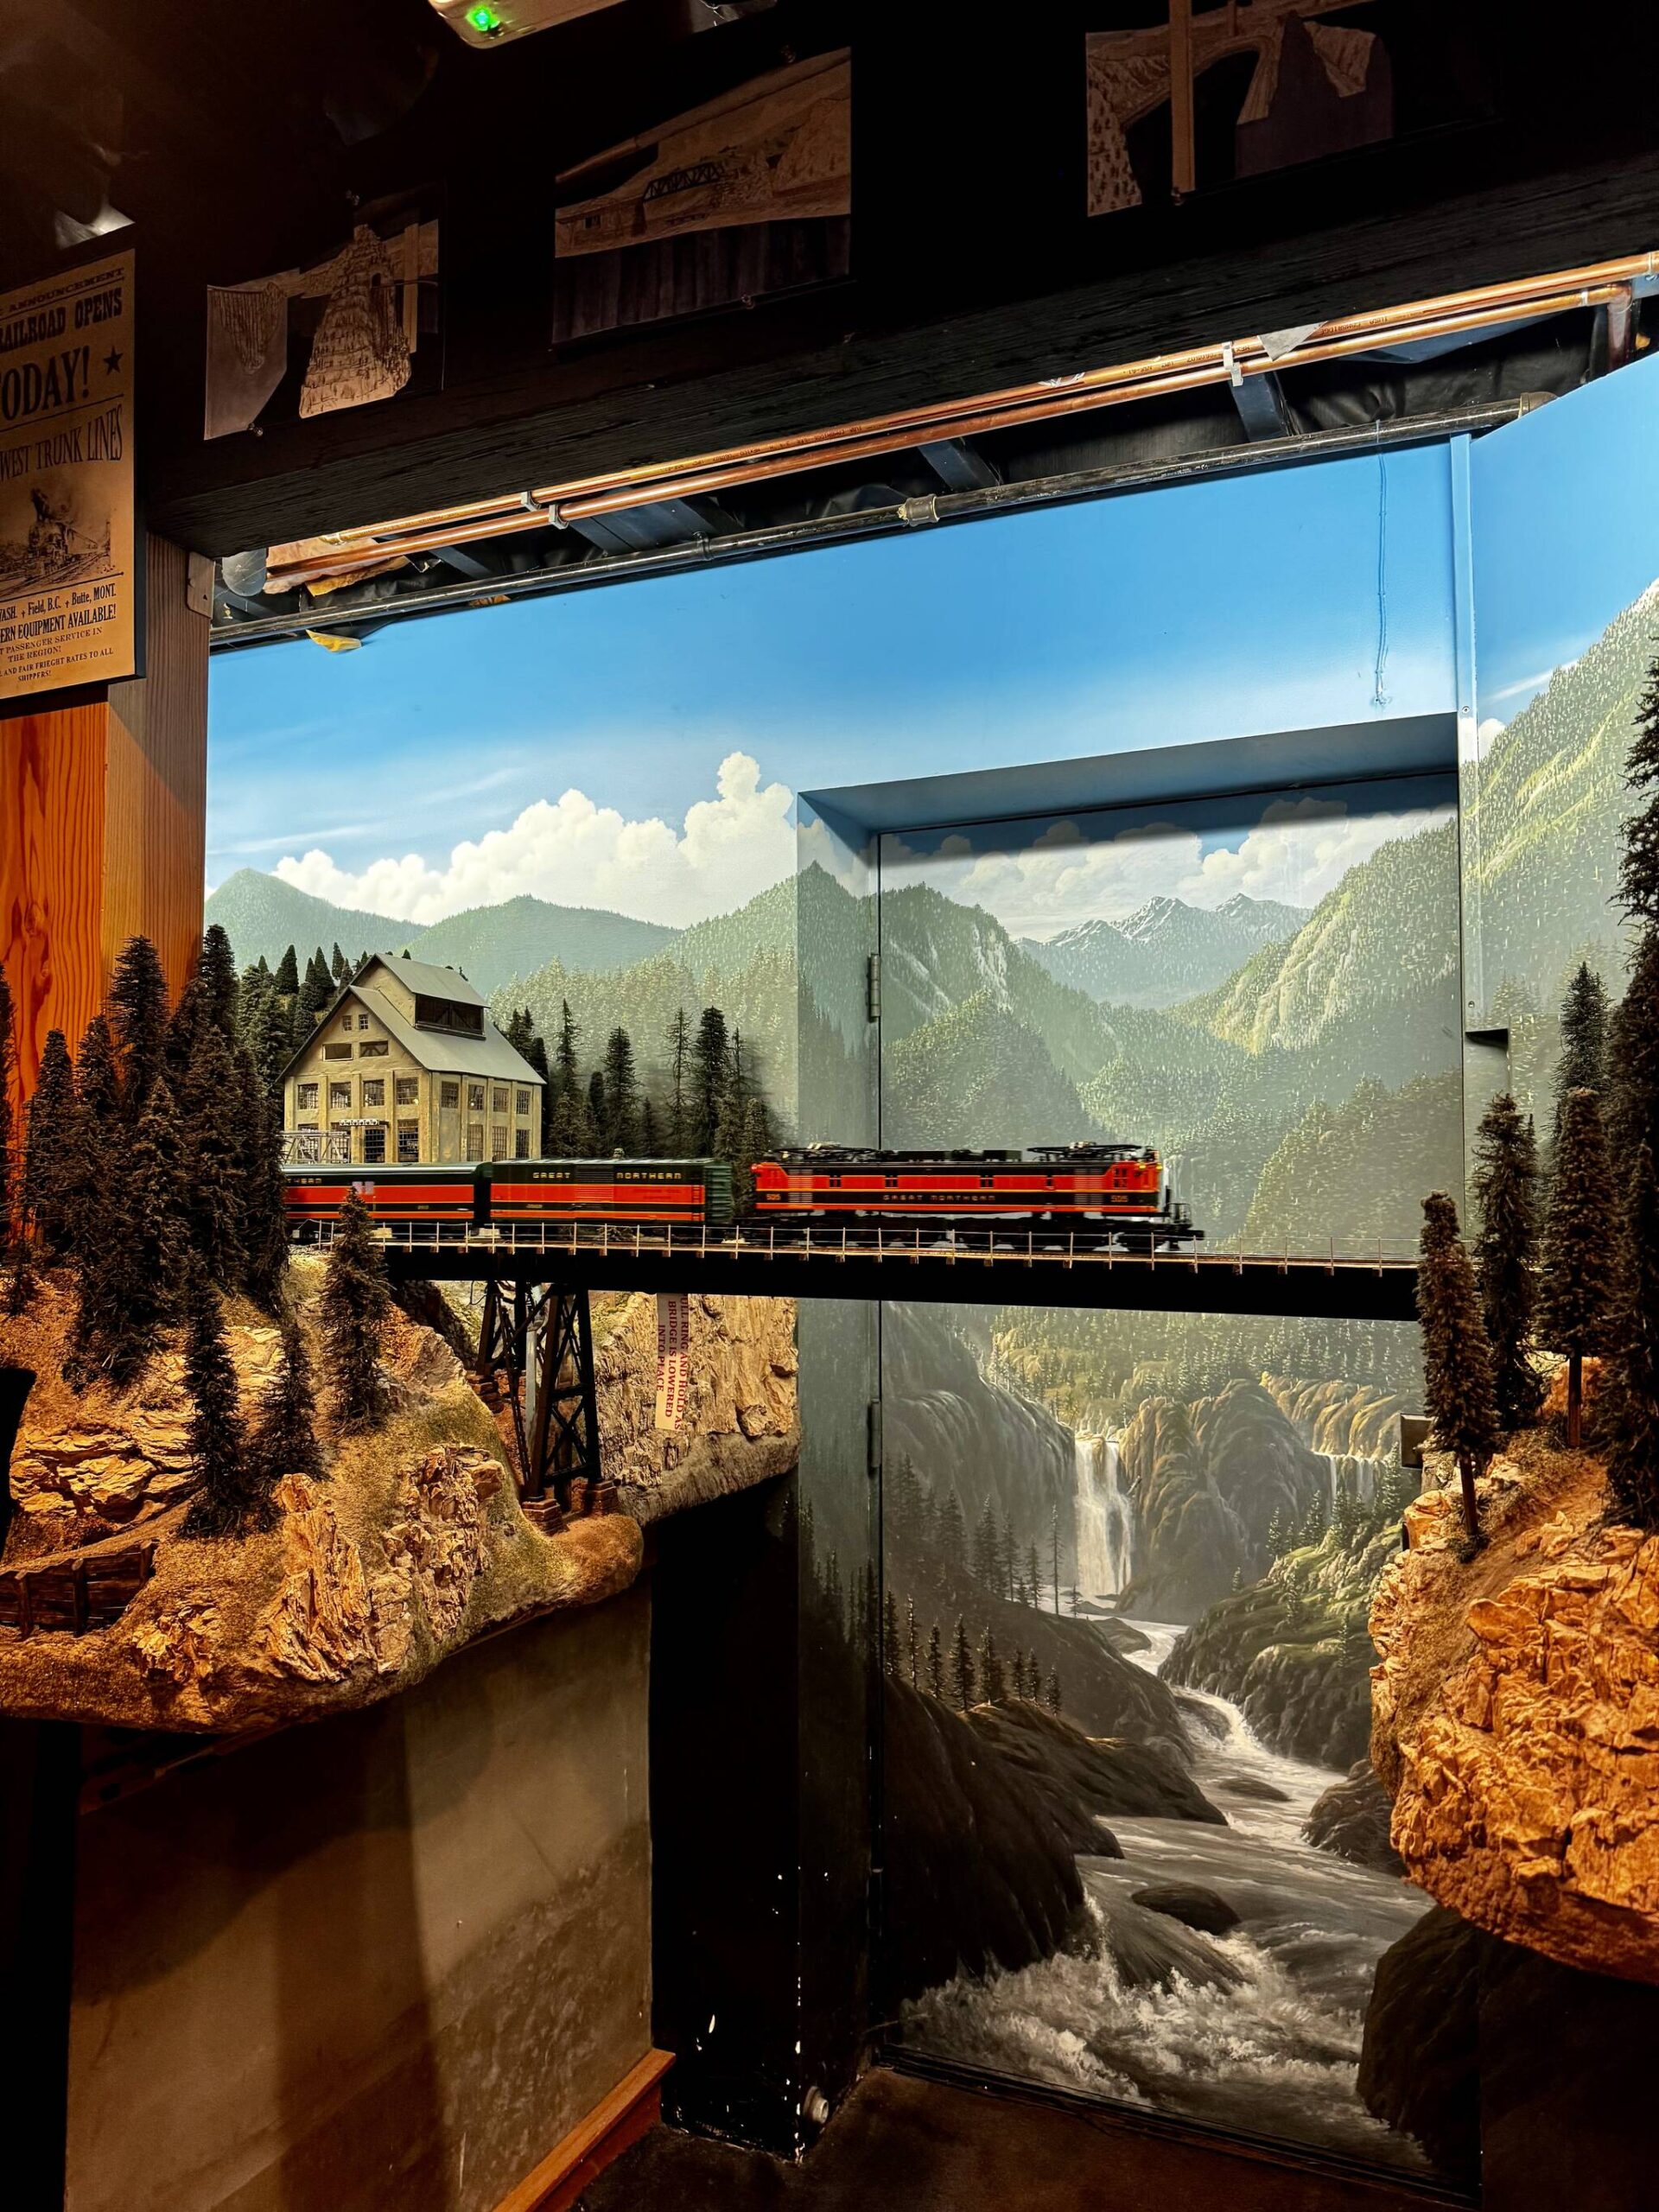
pixel 754 1242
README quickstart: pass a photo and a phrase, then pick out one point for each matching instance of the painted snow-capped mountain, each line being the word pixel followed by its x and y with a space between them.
pixel 1166 950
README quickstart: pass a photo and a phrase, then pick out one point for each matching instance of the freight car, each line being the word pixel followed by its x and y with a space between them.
pixel 1115 1191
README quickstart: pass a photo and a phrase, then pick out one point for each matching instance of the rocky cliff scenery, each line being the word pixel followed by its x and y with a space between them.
pixel 1516 1714
pixel 399 1548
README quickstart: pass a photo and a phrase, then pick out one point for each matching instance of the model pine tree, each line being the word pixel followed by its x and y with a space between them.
pixel 14 1247
pixel 285 1437
pixel 155 1218
pixel 936 1663
pixel 354 1307
pixel 1506 1196
pixel 1051 1697
pixel 265 1193
pixel 1639 870
pixel 228 1502
pixel 572 1135
pixel 182 1033
pixel 98 1139
pixel 1630 1413
pixel 962 1666
pixel 536 1053
pixel 912 1644
pixel 1632 1116
pixel 138 1019
pixel 211 1107
pixel 1582 1064
pixel 710 1065
pixel 1457 1356
pixel 622 1096
pixel 676 1134
pixel 51 1154
pixel 1579 1272
pixel 288 973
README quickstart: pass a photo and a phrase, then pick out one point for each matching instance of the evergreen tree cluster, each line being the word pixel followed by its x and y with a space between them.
pixel 963 1674
pixel 1461 1402
pixel 157 1142
pixel 1596 1249
pixel 1629 1413
pixel 278 1008
pixel 709 1104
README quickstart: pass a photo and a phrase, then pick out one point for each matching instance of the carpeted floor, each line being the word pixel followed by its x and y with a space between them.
pixel 901 2144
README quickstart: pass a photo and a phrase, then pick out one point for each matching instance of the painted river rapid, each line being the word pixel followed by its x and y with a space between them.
pixel 1257 2030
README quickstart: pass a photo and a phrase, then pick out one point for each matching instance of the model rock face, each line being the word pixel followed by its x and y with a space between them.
pixel 1516 1710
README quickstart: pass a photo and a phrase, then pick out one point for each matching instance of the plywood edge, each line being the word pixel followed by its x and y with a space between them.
pixel 614 2126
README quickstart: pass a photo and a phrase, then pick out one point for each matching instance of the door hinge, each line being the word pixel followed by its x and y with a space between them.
pixel 873 1438
pixel 873 986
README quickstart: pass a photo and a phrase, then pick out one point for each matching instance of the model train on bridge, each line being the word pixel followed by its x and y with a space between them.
pixel 1102 1191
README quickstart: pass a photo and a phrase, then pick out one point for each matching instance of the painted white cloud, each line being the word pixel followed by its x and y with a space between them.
pixel 576 853
pixel 1298 851
pixel 1062 877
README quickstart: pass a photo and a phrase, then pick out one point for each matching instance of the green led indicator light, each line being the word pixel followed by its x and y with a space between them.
pixel 484 19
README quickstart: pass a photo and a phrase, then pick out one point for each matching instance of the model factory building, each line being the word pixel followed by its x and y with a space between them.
pixel 406 1066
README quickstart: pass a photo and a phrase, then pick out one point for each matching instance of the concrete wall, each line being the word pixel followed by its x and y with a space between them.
pixel 386 1960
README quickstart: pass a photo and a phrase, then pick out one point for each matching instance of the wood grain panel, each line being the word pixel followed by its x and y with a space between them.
pixel 155 838
pixel 103 826
pixel 52 816
pixel 614 2125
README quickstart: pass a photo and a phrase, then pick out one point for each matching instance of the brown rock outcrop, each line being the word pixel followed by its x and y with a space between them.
pixel 414 1542
pixel 129 1459
pixel 319 1625
pixel 1516 1715
pixel 742 1422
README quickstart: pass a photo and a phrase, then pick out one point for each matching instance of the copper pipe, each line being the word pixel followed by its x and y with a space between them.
pixel 1050 399
pixel 1211 373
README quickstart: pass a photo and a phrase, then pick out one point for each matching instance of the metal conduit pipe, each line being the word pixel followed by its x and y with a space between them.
pixel 942 507
pixel 1605 283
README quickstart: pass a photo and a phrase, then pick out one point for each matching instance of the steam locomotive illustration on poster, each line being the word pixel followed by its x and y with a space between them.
pixel 1102 1191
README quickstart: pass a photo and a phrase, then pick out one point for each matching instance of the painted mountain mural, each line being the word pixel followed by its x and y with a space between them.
pixel 263 915
pixel 1305 1096
pixel 1167 950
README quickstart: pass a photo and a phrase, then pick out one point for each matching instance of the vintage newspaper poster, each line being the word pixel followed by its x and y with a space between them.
pixel 68 585
pixel 673 1358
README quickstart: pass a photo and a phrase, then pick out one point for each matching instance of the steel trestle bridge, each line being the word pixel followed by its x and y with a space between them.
pixel 978 1267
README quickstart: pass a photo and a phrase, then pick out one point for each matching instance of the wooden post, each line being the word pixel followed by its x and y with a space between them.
pixel 102 824
pixel 1184 174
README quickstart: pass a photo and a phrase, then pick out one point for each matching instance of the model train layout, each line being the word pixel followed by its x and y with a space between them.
pixel 1104 1193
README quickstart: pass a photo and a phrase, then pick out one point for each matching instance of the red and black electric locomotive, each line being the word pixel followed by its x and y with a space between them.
pixel 1102 1191
pixel 1099 1187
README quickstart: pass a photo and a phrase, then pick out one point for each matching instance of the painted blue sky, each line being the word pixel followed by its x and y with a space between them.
pixel 637 745
pixel 1566 524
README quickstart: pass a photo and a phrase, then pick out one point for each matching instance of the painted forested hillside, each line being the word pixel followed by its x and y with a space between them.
pixel 1551 815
